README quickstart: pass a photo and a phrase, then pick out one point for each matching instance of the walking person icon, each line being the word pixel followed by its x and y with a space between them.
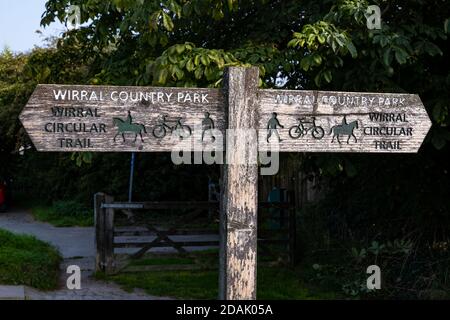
pixel 207 127
pixel 272 127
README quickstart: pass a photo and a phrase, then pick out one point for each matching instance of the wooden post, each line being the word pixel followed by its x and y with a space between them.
pixel 292 226
pixel 109 237
pixel 99 199
pixel 239 205
pixel 104 234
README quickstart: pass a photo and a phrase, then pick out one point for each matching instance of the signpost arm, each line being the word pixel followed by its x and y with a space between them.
pixel 238 225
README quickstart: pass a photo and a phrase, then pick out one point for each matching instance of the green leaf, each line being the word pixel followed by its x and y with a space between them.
pixel 162 77
pixel 341 41
pixel 182 63
pixel 401 55
pixel 190 65
pixel 209 73
pixel 87 157
pixel 231 4
pixel 334 46
pixel 351 48
pixel 433 49
pixel 317 79
pixel 197 60
pixel 447 25
pixel 205 60
pixel 217 14
pixel 180 48
pixel 220 62
pixel 167 22
pixel 178 73
pixel 45 73
pixel 321 39
pixel 387 57
pixel 173 59
pixel 317 59
pixel 198 73
pixel 293 43
pixel 305 63
pixel 174 7
pixel 327 75
pixel 163 40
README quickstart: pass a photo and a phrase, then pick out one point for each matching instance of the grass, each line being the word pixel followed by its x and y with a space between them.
pixel 24 260
pixel 273 282
pixel 162 261
pixel 64 214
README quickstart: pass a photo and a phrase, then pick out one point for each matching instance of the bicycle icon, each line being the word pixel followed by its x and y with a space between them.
pixel 301 130
pixel 163 128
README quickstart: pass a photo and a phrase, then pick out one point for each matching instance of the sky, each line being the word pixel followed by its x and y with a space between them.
pixel 19 20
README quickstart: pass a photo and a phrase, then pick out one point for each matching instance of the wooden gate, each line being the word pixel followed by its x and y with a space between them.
pixel 108 236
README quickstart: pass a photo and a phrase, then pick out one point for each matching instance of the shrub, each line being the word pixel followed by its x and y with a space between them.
pixel 65 214
pixel 70 209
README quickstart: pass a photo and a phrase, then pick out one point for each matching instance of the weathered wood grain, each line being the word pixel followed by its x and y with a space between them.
pixel 104 233
pixel 147 104
pixel 189 104
pixel 109 237
pixel 99 198
pixel 240 189
pixel 292 104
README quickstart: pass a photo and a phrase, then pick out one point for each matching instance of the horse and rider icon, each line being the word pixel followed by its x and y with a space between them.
pixel 344 129
pixel 127 126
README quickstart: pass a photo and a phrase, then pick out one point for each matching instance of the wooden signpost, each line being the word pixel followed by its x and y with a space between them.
pixel 326 121
pixel 64 118
pixel 117 119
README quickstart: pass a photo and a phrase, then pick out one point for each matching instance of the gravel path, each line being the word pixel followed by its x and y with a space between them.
pixel 91 289
pixel 77 248
pixel 71 242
